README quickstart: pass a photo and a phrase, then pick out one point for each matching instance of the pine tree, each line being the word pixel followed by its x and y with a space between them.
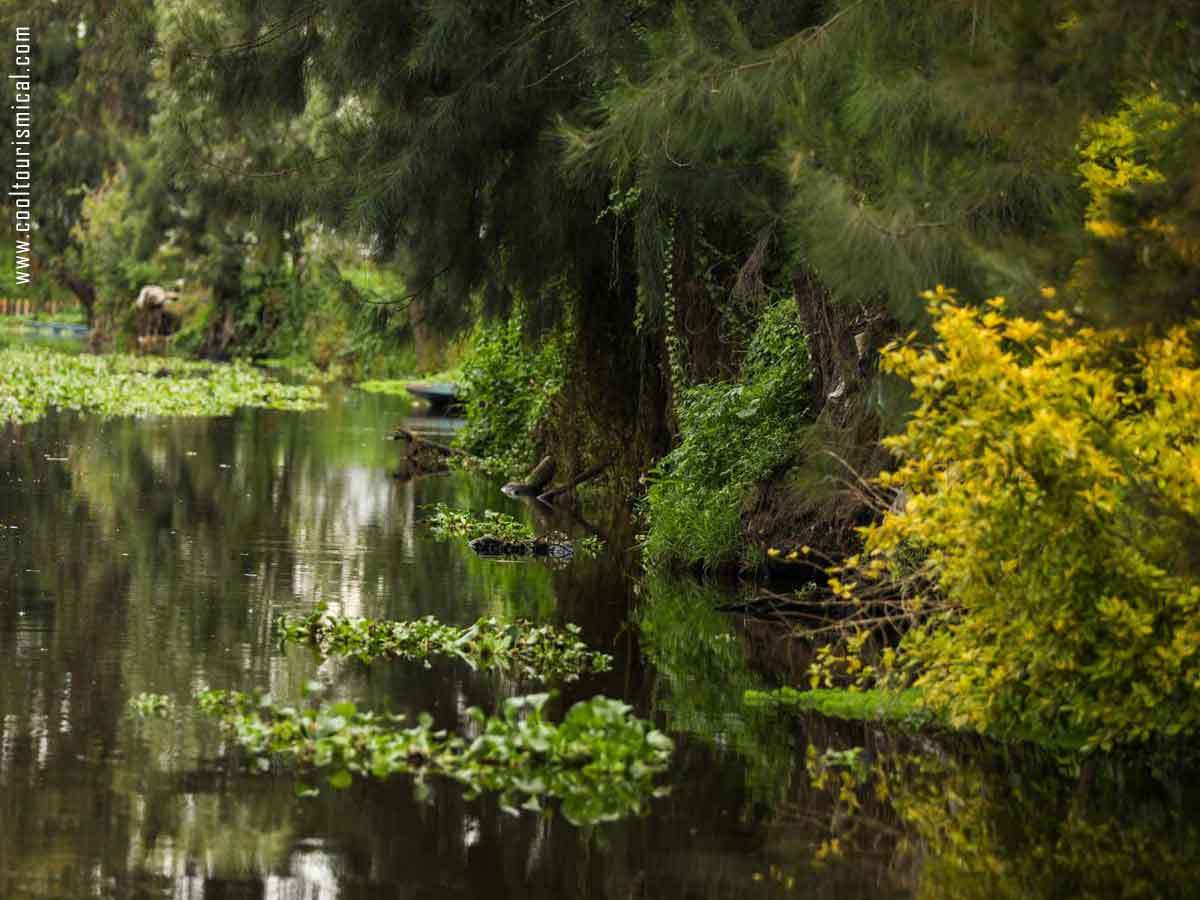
pixel 91 68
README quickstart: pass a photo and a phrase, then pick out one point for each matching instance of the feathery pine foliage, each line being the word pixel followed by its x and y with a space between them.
pixel 1046 558
pixel 885 146
pixel 432 137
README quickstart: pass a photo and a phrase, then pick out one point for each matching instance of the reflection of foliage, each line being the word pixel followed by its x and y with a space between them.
pixel 705 674
pixel 521 648
pixel 32 380
pixel 150 706
pixel 1052 504
pixel 599 761
pixel 994 824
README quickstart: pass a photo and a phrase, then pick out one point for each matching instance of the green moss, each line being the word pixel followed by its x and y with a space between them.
pixel 844 703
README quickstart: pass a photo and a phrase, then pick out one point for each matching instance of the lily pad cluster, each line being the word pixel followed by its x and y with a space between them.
pixel 35 379
pixel 599 761
pixel 540 652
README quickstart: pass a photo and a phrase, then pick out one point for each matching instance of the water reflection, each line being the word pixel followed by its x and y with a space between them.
pixel 157 556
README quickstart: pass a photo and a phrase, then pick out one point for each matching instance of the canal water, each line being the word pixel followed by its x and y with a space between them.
pixel 156 555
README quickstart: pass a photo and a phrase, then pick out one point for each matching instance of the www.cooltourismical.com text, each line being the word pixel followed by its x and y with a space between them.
pixel 21 187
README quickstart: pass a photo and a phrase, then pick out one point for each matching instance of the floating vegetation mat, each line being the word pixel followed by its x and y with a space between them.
pixel 34 379
pixel 599 762
pixel 542 652
pixel 446 523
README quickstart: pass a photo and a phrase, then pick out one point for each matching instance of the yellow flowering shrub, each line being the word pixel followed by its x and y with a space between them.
pixel 1052 476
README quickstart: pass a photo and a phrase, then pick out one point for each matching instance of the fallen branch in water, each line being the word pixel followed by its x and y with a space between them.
pixel 586 475
pixel 541 475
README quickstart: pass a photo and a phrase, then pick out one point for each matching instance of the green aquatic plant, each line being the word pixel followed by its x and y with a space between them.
pixel 599 761
pixel 521 648
pixel 389 387
pixel 445 523
pixel 34 379
pixel 398 387
pixel 150 706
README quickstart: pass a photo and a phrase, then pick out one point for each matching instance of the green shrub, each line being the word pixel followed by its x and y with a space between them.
pixel 511 387
pixel 731 435
pixel 1053 483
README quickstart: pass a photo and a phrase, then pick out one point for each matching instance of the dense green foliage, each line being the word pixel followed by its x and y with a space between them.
pixel 731 436
pixel 520 649
pixel 511 389
pixel 31 380
pixel 599 761
pixel 90 94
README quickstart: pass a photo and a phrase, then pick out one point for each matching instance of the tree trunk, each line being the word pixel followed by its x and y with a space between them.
pixel 81 289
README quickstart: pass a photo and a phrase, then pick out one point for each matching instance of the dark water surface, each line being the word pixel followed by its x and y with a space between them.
pixel 155 556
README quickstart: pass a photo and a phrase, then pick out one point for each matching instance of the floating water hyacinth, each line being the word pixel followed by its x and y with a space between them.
pixel 34 379
pixel 599 761
pixel 541 652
